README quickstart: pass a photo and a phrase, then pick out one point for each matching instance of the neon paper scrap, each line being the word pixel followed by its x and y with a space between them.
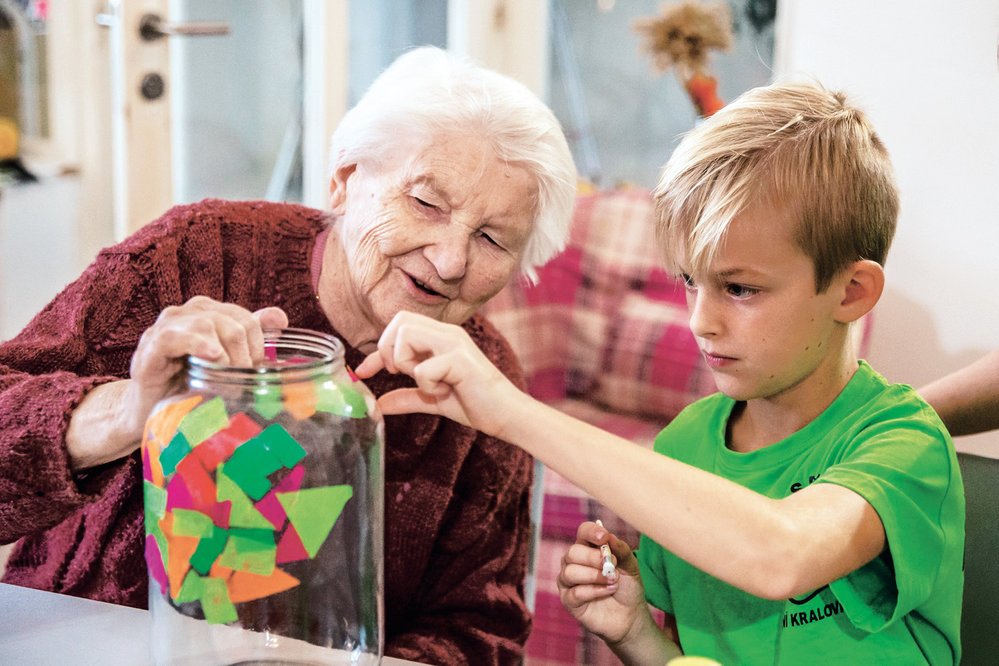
pixel 303 399
pixel 224 505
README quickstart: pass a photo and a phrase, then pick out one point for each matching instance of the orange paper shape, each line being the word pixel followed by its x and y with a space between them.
pixel 220 571
pixel 300 399
pixel 163 424
pixel 246 586
pixel 160 429
pixel 179 552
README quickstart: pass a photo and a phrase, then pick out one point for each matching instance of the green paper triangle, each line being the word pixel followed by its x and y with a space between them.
pixel 314 511
pixel 190 589
pixel 243 513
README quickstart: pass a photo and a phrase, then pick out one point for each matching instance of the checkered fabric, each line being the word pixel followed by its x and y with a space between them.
pixel 603 337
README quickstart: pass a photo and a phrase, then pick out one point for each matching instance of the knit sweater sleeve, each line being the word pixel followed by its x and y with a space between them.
pixel 80 340
pixel 471 608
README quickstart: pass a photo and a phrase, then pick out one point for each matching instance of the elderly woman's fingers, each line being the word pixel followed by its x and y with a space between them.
pixel 271 317
pixel 219 332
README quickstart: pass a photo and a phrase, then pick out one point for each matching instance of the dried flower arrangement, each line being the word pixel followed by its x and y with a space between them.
pixel 681 38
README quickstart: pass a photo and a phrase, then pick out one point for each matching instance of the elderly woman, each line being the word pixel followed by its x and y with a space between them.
pixel 447 180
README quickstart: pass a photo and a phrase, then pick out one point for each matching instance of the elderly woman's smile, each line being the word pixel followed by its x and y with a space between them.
pixel 439 234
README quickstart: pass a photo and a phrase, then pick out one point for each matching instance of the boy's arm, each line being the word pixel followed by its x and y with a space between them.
pixel 967 400
pixel 766 547
pixel 769 548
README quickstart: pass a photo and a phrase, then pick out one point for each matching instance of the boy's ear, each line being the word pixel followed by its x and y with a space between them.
pixel 338 187
pixel 863 282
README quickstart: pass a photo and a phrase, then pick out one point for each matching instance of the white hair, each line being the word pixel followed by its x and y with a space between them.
pixel 426 92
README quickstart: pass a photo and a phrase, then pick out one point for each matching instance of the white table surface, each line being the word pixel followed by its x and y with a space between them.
pixel 46 628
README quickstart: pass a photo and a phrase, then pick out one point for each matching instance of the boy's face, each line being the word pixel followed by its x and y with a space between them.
pixel 763 330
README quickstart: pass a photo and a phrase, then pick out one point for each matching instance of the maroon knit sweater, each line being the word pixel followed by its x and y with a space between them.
pixel 456 502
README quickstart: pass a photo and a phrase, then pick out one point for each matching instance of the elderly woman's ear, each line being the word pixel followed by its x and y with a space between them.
pixel 338 186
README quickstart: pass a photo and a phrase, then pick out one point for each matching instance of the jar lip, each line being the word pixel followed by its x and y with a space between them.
pixel 328 348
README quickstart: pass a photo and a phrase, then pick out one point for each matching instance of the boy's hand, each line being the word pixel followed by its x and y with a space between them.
pixel 611 607
pixel 453 377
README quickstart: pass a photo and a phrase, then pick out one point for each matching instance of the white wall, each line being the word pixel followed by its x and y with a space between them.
pixel 927 73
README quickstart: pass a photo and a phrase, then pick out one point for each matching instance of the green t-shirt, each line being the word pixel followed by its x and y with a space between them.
pixel 904 607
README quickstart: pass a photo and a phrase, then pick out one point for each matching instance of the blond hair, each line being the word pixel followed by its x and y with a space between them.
pixel 798 148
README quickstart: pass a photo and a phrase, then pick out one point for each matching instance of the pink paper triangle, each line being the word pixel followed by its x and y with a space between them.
pixel 290 548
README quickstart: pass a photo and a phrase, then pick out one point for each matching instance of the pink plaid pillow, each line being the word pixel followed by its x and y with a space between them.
pixel 652 366
pixel 580 332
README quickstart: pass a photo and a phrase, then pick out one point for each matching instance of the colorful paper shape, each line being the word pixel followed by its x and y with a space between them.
pixel 329 399
pixel 242 512
pixel 191 523
pixel 270 507
pixel 290 548
pixel 267 400
pixel 246 586
pixel 174 453
pixel 215 602
pixel 217 448
pixel 161 426
pixel 250 550
pixel 340 399
pixel 220 572
pixel 250 465
pixel 355 401
pixel 151 469
pixel 191 589
pixel 209 548
pixel 199 483
pixel 178 495
pixel 154 562
pixel 281 444
pixel 204 421
pixel 179 560
pixel 314 511
pixel 300 399
pixel 154 500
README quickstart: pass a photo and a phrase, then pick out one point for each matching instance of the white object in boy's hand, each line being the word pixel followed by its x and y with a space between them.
pixel 608 570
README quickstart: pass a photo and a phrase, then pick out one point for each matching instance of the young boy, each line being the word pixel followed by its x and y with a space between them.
pixel 810 512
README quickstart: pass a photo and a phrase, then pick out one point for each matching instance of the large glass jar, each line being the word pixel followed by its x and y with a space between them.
pixel 264 510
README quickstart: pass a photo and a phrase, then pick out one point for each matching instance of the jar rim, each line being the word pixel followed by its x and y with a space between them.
pixel 328 349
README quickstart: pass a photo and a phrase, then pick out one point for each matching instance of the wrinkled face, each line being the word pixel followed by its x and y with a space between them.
pixel 439 233
pixel 758 321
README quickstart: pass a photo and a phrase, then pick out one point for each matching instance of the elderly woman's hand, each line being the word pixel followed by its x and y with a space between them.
pixel 453 377
pixel 109 421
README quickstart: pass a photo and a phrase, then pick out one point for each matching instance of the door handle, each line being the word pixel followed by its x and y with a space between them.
pixel 152 27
